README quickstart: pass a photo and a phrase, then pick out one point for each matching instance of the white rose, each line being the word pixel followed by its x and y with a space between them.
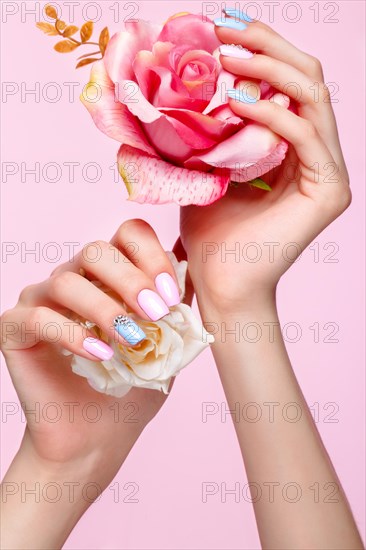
pixel 170 345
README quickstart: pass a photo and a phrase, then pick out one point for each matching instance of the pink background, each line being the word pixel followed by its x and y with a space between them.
pixel 178 451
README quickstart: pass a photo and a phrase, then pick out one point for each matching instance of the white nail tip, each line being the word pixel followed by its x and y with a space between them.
pixel 235 50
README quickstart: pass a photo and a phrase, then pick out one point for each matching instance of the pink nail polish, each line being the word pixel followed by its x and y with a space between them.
pixel 152 304
pixel 98 348
pixel 167 289
pixel 235 51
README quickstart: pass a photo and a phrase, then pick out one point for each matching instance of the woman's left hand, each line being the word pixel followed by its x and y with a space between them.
pixel 74 434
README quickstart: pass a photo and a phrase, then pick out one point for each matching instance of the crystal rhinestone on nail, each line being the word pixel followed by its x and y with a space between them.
pixel 239 46
pixel 121 320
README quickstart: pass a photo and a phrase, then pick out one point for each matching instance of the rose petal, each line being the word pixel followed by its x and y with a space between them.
pixel 180 269
pixel 215 129
pixel 266 90
pixel 194 137
pixel 262 166
pixel 254 146
pixel 197 89
pixel 225 113
pixel 124 45
pixel 157 368
pixel 195 337
pixel 173 93
pixel 100 378
pixel 166 89
pixel 205 62
pixel 159 82
pixel 225 82
pixel 171 138
pixel 145 60
pixel 109 115
pixel 157 182
pixel 196 30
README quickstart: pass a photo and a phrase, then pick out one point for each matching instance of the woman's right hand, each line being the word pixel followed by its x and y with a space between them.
pixel 135 266
pixel 251 237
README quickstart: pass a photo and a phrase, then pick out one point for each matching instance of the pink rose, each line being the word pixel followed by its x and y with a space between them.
pixel 162 95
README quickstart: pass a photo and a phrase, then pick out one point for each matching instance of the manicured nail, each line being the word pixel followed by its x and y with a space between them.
pixel 281 99
pixel 98 348
pixel 128 329
pixel 238 14
pixel 241 96
pixel 167 289
pixel 152 304
pixel 230 23
pixel 235 51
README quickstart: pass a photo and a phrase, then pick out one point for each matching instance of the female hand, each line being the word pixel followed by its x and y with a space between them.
pixel 250 237
pixel 131 265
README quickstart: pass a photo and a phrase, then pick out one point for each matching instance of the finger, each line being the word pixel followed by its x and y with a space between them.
pixel 305 82
pixel 23 328
pixel 301 133
pixel 259 37
pixel 280 75
pixel 300 88
pixel 137 240
pixel 78 295
pixel 251 90
pixel 103 262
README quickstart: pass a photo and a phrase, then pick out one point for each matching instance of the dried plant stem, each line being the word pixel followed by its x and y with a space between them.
pixel 91 53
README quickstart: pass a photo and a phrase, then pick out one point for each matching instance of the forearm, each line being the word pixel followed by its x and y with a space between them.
pixel 285 459
pixel 40 505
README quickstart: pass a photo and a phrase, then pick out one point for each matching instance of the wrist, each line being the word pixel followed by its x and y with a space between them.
pixel 252 321
pixel 97 468
pixel 42 502
pixel 251 304
pixel 33 480
pixel 86 467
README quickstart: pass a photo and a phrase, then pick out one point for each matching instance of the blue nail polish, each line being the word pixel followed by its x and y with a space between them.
pixel 128 329
pixel 238 14
pixel 230 24
pixel 240 96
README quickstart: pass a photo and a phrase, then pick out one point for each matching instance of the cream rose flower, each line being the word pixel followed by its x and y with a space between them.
pixel 170 345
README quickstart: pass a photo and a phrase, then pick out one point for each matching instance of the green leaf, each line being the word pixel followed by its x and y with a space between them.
pixel 258 182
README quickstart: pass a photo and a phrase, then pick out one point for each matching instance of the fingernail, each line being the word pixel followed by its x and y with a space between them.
pixel 235 51
pixel 243 97
pixel 152 304
pixel 281 99
pixel 230 24
pixel 128 329
pixel 238 14
pixel 167 289
pixel 98 348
